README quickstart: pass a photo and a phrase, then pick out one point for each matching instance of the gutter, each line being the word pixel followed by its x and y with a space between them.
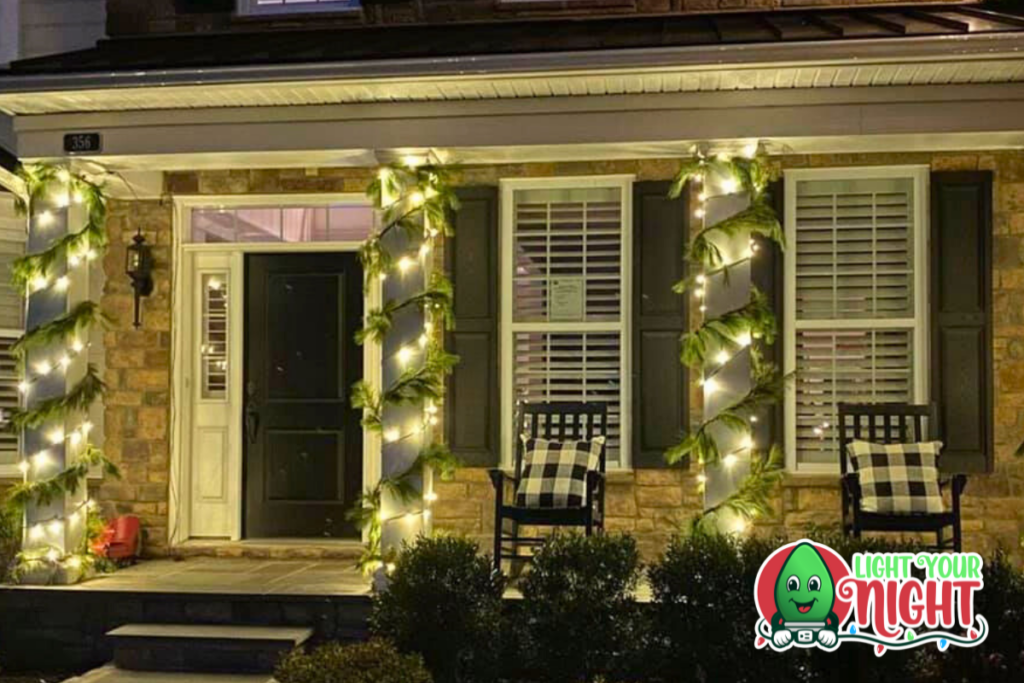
pixel 982 47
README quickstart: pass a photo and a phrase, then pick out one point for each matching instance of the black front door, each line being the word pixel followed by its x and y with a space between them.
pixel 303 441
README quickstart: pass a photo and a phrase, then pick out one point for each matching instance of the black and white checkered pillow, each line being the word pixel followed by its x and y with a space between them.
pixel 901 478
pixel 555 472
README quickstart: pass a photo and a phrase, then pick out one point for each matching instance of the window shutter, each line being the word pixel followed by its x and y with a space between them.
pixel 660 382
pixel 767 273
pixel 961 318
pixel 472 424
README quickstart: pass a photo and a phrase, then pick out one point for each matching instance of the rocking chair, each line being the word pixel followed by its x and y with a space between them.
pixel 555 422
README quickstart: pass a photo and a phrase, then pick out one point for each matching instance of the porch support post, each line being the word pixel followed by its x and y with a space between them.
pixel 58 527
pixel 730 381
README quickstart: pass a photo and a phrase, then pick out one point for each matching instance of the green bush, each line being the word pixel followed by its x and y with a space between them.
pixel 377 661
pixel 444 602
pixel 10 541
pixel 580 619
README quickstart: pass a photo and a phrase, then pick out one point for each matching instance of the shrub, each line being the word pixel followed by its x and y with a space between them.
pixel 580 618
pixel 704 612
pixel 377 661
pixel 444 602
pixel 10 540
pixel 1001 656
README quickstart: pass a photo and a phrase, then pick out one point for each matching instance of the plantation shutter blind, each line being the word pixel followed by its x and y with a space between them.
pixel 12 246
pixel 854 314
pixel 568 299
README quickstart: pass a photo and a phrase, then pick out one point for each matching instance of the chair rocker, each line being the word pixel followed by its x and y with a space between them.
pixel 895 423
pixel 554 422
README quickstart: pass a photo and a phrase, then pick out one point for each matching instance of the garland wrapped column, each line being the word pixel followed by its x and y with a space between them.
pixel 66 215
pixel 413 205
pixel 734 216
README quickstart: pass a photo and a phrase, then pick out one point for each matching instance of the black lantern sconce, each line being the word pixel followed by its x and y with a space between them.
pixel 139 267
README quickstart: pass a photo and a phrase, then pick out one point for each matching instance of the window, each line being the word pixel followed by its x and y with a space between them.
pixel 855 300
pixel 333 223
pixel 296 6
pixel 12 245
pixel 565 303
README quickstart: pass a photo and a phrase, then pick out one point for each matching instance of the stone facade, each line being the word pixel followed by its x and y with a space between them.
pixel 650 504
pixel 138 375
pixel 131 17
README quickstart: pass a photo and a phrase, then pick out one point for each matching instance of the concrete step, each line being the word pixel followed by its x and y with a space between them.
pixel 203 648
pixel 111 674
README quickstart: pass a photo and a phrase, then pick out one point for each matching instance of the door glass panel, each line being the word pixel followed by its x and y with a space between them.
pixel 304 316
pixel 214 345
pixel 292 224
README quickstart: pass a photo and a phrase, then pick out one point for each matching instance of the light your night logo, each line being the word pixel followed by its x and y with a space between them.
pixel 807 596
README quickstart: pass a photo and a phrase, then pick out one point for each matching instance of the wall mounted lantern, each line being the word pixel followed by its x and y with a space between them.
pixel 139 267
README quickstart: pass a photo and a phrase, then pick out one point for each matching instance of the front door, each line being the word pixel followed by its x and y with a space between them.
pixel 303 441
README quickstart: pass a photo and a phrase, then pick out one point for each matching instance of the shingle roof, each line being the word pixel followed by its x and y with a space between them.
pixel 256 48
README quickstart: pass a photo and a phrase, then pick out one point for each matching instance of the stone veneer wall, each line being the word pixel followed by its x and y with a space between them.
pixel 138 374
pixel 649 503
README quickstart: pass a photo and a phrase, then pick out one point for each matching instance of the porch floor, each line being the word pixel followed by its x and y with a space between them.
pixel 233 576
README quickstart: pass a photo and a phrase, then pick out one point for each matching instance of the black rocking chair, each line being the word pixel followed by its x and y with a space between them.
pixel 556 422
pixel 890 424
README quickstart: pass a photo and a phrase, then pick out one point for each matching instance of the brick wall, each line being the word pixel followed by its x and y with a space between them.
pixel 650 504
pixel 129 17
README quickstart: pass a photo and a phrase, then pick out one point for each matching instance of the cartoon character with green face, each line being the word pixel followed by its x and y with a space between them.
pixel 804 596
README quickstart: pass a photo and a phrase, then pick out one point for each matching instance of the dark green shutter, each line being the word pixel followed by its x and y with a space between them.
pixel 472 410
pixel 660 386
pixel 961 318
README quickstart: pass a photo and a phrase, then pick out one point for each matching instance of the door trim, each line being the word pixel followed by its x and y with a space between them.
pixel 182 328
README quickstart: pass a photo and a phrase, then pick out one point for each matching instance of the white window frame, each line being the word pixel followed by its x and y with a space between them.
pixel 252 8
pixel 919 174
pixel 508 330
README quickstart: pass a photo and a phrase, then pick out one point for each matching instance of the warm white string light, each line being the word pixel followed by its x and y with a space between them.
pixel 45 367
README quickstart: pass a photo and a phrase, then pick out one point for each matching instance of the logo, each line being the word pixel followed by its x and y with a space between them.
pixel 808 596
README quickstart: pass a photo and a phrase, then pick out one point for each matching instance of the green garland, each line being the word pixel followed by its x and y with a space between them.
pixel 72 325
pixel 751 325
pixel 59 186
pixel 45 491
pixel 86 391
pixel 416 201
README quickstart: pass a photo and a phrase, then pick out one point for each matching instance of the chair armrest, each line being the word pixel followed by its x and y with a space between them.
pixel 500 476
pixel 958 481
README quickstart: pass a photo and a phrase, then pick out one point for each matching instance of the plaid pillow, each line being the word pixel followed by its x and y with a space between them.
pixel 901 478
pixel 555 472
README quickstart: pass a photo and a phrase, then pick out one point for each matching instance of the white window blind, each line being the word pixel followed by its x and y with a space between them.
pixel 568 327
pixel 856 328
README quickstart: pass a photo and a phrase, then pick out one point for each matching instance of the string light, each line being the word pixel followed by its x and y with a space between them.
pixel 36 533
pixel 62 283
pixel 23 466
pixel 723 357
pixel 40 459
pixel 417 199
pixel 699 213
pixel 44 368
pixel 424 250
pixel 404 264
pixel 56 436
pixel 699 292
pixel 710 386
pixel 750 151
pixel 39 282
pixel 747 443
pixel 701 279
pixel 392 435
pixel 740 526
pixel 55 527
pixel 77 346
pixel 729 461
pixel 702 478
pixel 430 497
pixel 744 339
pixel 729 186
pixel 753 419
pixel 53 556
pixel 24 386
pixel 46 218
pixel 405 355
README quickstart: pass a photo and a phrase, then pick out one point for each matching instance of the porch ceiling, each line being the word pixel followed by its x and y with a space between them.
pixel 763 51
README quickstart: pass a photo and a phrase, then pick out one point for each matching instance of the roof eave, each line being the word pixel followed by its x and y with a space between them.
pixel 830 52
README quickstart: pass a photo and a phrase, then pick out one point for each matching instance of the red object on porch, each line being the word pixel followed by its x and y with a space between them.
pixel 120 539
